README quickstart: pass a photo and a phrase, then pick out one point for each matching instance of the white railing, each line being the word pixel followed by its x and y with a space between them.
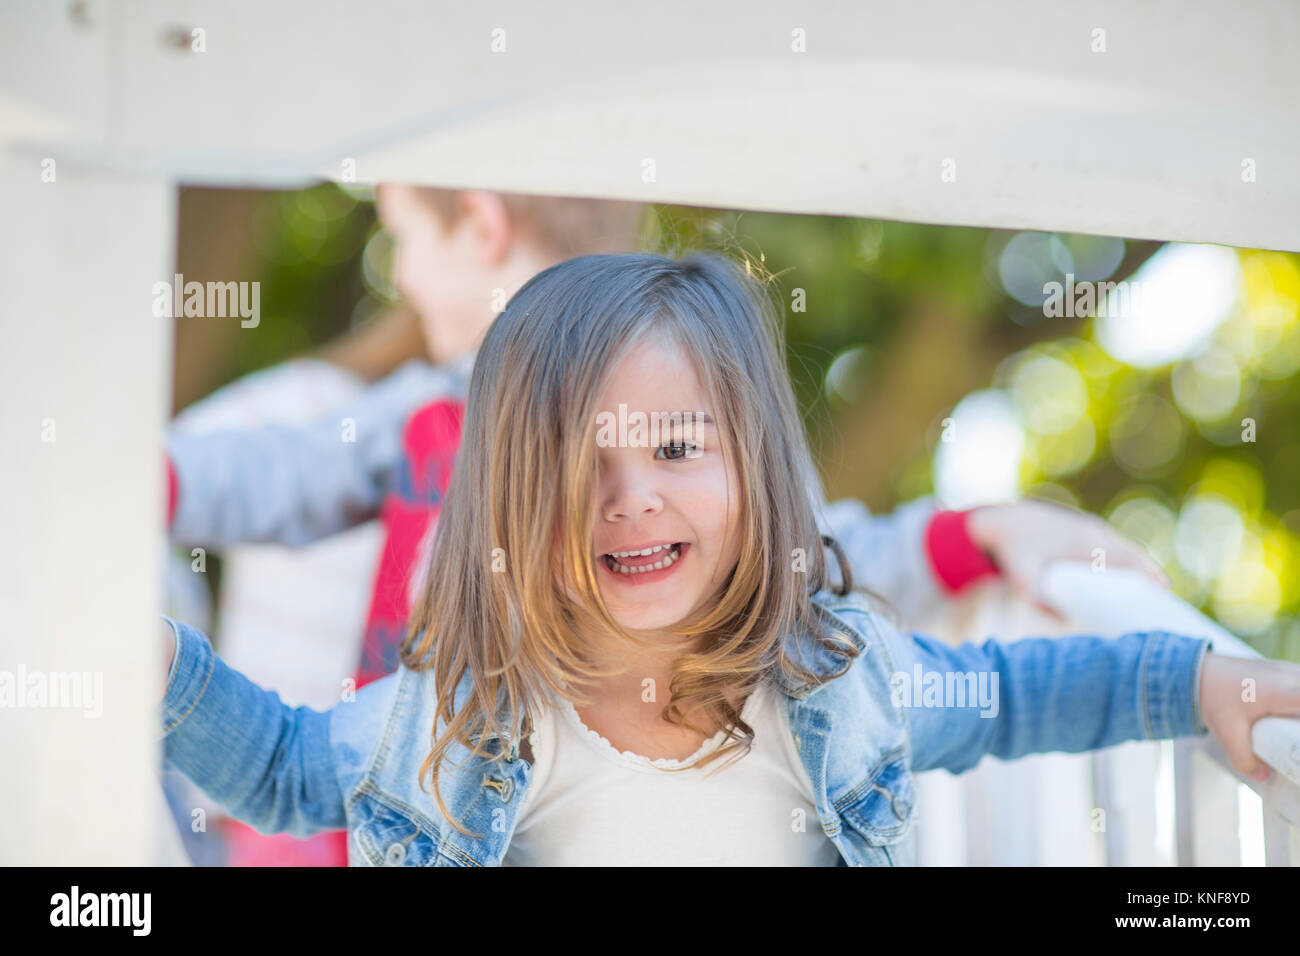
pixel 1142 803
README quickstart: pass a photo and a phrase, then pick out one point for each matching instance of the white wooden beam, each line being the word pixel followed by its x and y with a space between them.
pixel 1158 120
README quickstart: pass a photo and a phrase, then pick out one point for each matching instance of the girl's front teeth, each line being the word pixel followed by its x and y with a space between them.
pixel 672 553
pixel 644 554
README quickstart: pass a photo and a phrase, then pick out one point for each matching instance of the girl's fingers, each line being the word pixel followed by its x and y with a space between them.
pixel 1279 696
pixel 1242 757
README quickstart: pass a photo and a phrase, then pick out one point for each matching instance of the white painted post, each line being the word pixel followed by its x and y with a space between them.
pixel 86 372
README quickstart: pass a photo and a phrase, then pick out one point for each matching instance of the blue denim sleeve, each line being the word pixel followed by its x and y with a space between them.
pixel 265 763
pixel 295 484
pixel 1044 694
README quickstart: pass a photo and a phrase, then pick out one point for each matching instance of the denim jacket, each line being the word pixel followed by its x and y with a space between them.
pixel 861 736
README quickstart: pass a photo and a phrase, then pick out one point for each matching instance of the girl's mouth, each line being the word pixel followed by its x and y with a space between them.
pixel 637 567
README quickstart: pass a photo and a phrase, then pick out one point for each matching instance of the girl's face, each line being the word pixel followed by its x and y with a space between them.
pixel 663 489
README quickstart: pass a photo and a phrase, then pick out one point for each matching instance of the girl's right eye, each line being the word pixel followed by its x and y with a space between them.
pixel 678 451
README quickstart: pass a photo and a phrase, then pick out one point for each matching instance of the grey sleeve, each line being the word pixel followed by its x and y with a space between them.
pixel 295 484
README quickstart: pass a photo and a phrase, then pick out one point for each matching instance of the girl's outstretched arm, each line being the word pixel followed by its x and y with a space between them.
pixel 1038 695
pixel 265 763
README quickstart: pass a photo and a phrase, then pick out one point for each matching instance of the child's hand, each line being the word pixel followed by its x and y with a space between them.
pixel 1024 537
pixel 1236 692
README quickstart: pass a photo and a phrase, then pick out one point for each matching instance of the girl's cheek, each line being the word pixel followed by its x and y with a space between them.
pixel 710 508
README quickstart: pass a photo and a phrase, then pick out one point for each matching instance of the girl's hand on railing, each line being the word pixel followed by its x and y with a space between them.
pixel 1236 692
pixel 1024 537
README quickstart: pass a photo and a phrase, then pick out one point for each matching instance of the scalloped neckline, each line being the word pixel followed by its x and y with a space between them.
pixel 640 761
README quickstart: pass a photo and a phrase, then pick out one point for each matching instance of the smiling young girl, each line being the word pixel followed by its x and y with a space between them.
pixel 628 653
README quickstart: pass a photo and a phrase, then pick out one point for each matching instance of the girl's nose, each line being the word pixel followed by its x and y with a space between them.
pixel 626 493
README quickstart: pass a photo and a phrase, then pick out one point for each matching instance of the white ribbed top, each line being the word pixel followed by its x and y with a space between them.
pixel 590 804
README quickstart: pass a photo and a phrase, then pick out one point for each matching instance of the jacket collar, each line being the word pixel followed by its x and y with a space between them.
pixel 804 651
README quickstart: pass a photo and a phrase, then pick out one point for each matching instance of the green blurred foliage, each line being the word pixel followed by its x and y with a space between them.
pixel 307 246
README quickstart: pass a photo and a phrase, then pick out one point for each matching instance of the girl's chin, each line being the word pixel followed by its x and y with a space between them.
pixel 646 618
pixel 651 613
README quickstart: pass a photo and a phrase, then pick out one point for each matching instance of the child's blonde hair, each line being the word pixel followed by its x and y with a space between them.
pixel 515 535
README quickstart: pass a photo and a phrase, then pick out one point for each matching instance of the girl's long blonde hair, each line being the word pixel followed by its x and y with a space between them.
pixel 514 539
